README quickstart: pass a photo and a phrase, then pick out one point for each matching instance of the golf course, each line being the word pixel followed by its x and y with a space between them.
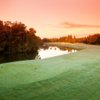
pixel 74 76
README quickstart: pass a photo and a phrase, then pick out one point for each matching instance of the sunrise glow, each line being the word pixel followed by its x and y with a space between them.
pixel 54 18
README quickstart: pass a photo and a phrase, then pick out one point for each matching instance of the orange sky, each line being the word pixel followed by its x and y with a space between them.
pixel 54 18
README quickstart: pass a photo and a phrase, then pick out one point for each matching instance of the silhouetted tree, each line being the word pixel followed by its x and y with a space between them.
pixel 15 38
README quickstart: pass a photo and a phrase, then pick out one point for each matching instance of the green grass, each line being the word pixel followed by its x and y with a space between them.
pixel 69 77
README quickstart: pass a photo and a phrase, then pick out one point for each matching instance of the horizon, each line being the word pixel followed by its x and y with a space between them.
pixel 54 18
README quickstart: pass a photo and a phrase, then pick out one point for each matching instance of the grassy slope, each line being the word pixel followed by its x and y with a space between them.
pixel 70 77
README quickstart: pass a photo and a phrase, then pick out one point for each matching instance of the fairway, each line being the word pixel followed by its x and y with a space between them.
pixel 74 76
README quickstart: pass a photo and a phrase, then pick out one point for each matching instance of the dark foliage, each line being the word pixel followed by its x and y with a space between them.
pixel 16 38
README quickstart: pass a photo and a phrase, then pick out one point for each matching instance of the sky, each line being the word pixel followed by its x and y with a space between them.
pixel 54 18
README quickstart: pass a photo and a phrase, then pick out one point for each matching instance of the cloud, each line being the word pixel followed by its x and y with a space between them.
pixel 74 25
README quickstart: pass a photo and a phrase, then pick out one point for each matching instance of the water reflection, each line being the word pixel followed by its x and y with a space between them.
pixel 43 52
pixel 16 57
pixel 51 51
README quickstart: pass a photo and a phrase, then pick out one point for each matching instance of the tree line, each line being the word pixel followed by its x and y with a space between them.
pixel 16 38
pixel 91 39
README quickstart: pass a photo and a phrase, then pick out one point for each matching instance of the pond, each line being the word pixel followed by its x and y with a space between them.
pixel 52 51
pixel 16 57
pixel 43 53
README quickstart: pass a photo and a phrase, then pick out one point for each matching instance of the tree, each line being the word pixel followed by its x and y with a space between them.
pixel 15 38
